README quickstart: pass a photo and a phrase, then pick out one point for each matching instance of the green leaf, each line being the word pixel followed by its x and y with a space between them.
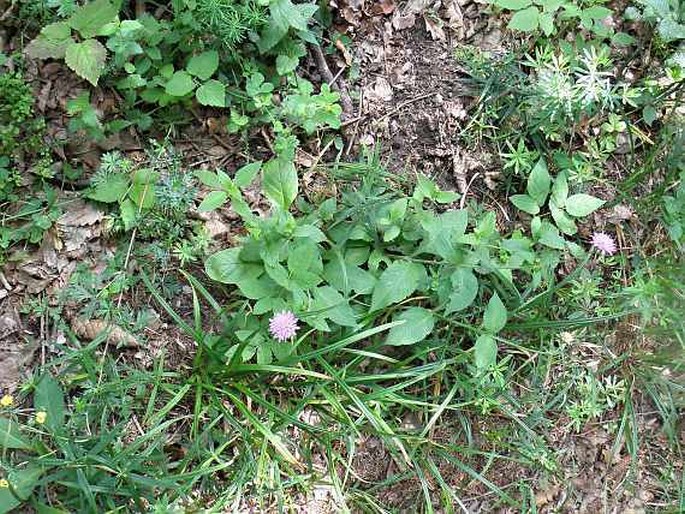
pixel 418 324
pixel 87 59
pixel 203 65
pixel 51 43
pixel 485 351
pixel 495 316
pixel 112 189
pixel 246 174
pixel 227 267
pixel 91 17
pixel 23 482
pixel 180 84
pixel 547 23
pixel 11 437
pixel 396 283
pixel 525 203
pixel 649 114
pixel 284 16
pixel 286 64
pixel 526 20
pixel 539 182
pixel 332 305
pixel 211 93
pixel 213 200
pixel 562 220
pixel 596 12
pixel 548 235
pixel 349 278
pixel 560 190
pixel 129 213
pixel 49 397
pixel 581 205
pixel 279 182
pixel 513 5
pixel 464 290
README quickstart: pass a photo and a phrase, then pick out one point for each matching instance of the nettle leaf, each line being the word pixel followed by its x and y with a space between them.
pixel 526 20
pixel 213 200
pixel 525 203
pixel 397 283
pixel 111 190
pixel 332 305
pixel 286 64
pixel 582 204
pixel 11 436
pixel 284 16
pixel 513 5
pixel 418 324
pixel 280 182
pixel 485 351
pixel 49 397
pixel 246 174
pixel 495 316
pixel 51 43
pixel 227 267
pixel 562 220
pixel 548 235
pixel 88 19
pixel 539 182
pixel 464 290
pixel 180 84
pixel 560 190
pixel 212 93
pixel 203 65
pixel 87 59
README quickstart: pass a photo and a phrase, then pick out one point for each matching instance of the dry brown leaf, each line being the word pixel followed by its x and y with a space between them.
pixel 92 328
pixel 383 7
pixel 434 28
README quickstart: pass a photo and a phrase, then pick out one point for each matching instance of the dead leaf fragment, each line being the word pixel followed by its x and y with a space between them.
pixel 92 328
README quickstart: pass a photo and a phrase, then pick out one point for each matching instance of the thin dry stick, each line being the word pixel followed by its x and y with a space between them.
pixel 345 100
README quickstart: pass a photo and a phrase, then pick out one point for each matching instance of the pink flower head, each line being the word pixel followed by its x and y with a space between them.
pixel 283 325
pixel 603 242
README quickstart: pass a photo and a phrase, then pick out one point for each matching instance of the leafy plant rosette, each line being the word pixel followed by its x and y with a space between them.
pixel 372 257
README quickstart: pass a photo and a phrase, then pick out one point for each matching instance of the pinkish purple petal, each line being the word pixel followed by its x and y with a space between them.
pixel 283 326
pixel 604 243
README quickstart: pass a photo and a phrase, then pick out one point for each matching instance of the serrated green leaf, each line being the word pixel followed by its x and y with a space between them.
pixel 212 93
pixel 203 65
pixel 110 190
pixel 485 351
pixel 580 205
pixel 563 222
pixel 49 398
pixel 525 203
pixel 180 84
pixel 129 213
pixel 88 19
pixel 51 43
pixel 539 182
pixel 464 290
pixel 284 16
pixel 560 190
pixel 213 200
pixel 246 174
pixel 513 5
pixel 279 182
pixel 418 324
pixel 596 12
pixel 227 267
pixel 86 59
pixel 495 316
pixel 526 20
pixel 23 482
pixel 396 283
pixel 11 436
pixel 332 305
pixel 286 64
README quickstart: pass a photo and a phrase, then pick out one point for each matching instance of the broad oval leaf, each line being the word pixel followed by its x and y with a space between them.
pixel 226 267
pixel 418 324
pixel 49 397
pixel 525 203
pixel 213 200
pixel 89 18
pixel 526 20
pixel 280 182
pixel 203 65
pixel 581 205
pixel 212 93
pixel 86 59
pixel 51 43
pixel 180 84
pixel 485 351
pixel 539 182
pixel 11 437
pixel 464 290
pixel 513 5
pixel 495 316
pixel 396 283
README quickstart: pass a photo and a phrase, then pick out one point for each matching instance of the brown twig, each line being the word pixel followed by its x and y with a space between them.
pixel 345 100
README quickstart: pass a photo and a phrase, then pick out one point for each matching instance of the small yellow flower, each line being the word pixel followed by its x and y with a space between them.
pixel 41 416
pixel 4 484
pixel 7 400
